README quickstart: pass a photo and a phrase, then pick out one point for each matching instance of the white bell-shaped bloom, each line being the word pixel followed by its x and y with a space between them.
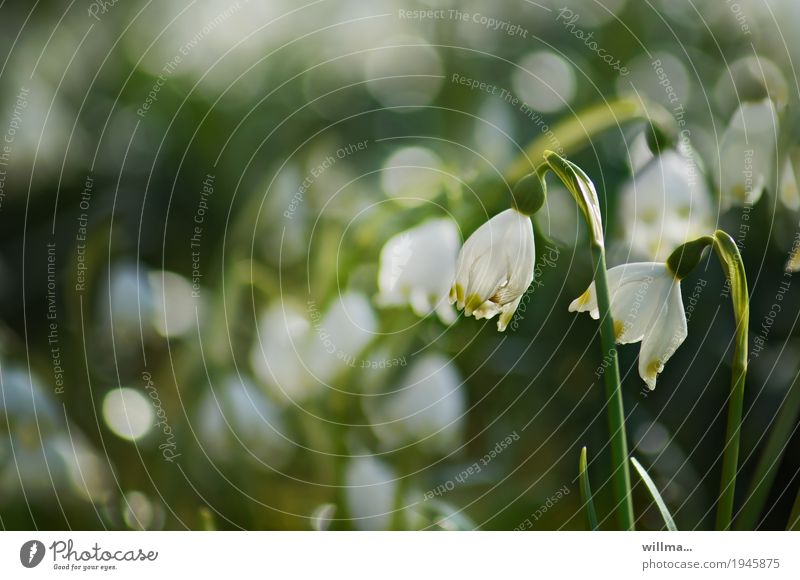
pixel 346 328
pixel 278 353
pixel 495 268
pixel 665 204
pixel 747 151
pixel 417 268
pixel 371 492
pixel 646 306
pixel 428 407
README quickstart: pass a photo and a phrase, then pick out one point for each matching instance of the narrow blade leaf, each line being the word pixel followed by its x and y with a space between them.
pixel 586 492
pixel 651 487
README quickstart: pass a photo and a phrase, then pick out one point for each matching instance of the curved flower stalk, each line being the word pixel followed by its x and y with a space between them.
pixel 646 307
pixel 495 265
pixel 747 153
pixel 682 261
pixel 417 267
pixel 585 195
pixel 670 203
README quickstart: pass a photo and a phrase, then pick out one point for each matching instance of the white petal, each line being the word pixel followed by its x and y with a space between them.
pixel 666 334
pixel 636 297
pixel 496 263
pixel 507 314
pixel 618 276
pixel 487 310
pixel 586 302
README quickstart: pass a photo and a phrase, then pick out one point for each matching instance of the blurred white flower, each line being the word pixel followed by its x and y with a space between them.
pixel 495 268
pixel 413 175
pixel 789 192
pixel 175 304
pixel 277 357
pixel 40 450
pixel 410 75
pixel 237 418
pixel 793 263
pixel 646 306
pixel 428 407
pixel 746 154
pixel 126 306
pixel 339 336
pixel 297 353
pixel 371 490
pixel 663 205
pixel 128 413
pixel 417 267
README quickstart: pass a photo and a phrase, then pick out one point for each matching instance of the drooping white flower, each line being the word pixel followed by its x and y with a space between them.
pixel 646 306
pixel 495 268
pixel 747 151
pixel 665 204
pixel 428 407
pixel 417 267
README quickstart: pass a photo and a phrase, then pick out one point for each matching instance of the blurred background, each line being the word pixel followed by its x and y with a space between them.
pixel 225 226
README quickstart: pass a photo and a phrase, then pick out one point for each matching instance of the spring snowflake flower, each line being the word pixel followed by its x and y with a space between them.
pixel 670 202
pixel 646 306
pixel 747 152
pixel 417 267
pixel 495 268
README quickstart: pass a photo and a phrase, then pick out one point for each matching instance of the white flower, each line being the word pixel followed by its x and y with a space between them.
pixel 417 267
pixel 238 420
pixel 279 352
pixel 789 192
pixel 347 327
pixel 495 268
pixel 669 203
pixel 429 407
pixel 371 491
pixel 646 306
pixel 746 154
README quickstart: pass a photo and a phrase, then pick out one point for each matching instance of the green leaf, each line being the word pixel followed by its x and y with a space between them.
pixel 651 487
pixel 586 492
pixel 582 189
pixel 794 518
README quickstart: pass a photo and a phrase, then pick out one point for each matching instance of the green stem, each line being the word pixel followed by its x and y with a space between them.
pixel 682 261
pixel 576 131
pixel 732 264
pixel 585 195
pixel 615 408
